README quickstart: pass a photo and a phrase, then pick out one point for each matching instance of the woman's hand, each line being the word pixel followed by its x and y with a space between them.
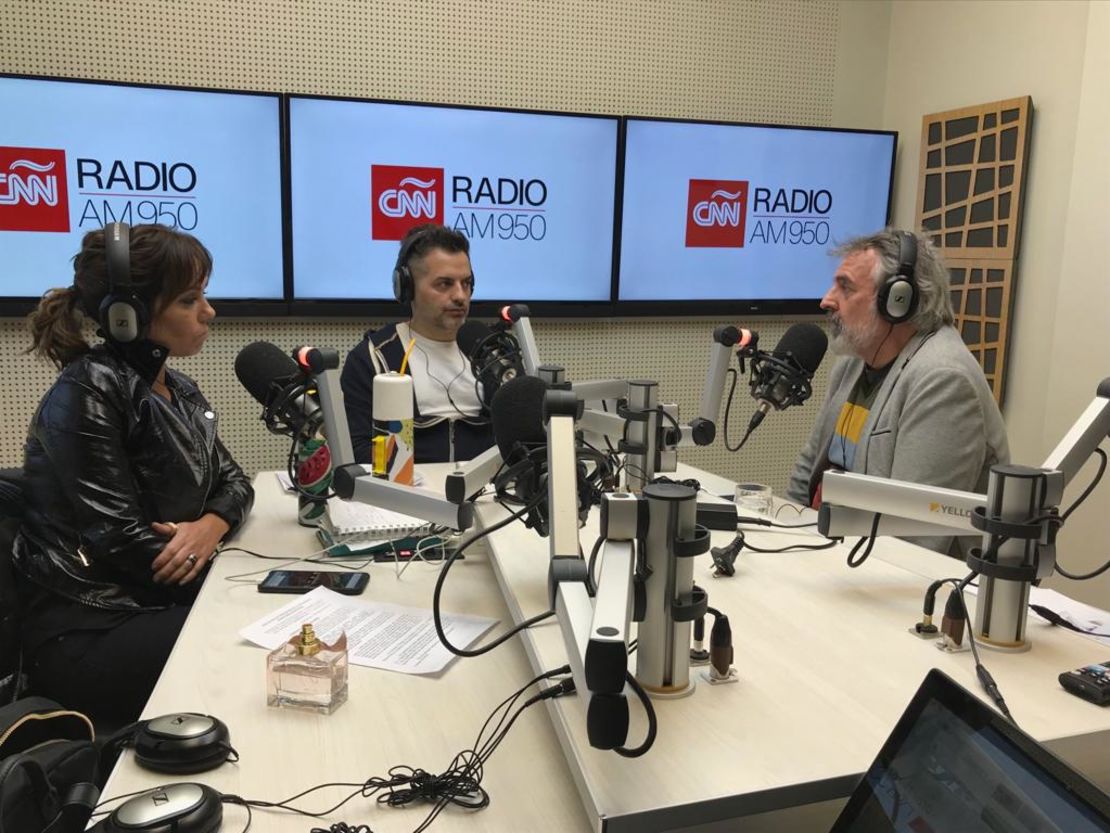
pixel 192 544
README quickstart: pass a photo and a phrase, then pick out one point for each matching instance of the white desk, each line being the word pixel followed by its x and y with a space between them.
pixel 826 667
pixel 389 718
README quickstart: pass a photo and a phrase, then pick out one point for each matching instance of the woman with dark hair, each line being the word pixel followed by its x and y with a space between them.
pixel 129 491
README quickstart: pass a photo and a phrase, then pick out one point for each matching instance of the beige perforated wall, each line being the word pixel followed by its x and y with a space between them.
pixel 753 60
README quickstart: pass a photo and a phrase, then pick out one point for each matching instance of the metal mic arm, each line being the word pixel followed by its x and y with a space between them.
pixel 519 316
pixel 353 481
pixel 595 630
pixel 850 501
pixel 703 428
pixel 1018 520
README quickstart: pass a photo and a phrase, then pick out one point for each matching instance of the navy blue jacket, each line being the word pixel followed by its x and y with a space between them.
pixel 437 439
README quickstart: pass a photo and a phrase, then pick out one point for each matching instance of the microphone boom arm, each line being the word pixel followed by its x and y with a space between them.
pixel 353 481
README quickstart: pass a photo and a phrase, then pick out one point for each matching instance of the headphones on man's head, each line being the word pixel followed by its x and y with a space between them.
pixel 404 287
pixel 898 295
pixel 123 314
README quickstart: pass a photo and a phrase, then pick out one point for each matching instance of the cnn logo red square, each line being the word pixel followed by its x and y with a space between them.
pixel 716 211
pixel 401 197
pixel 33 193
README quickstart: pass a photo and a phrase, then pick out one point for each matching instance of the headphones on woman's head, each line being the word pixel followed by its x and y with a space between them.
pixel 897 297
pixel 123 314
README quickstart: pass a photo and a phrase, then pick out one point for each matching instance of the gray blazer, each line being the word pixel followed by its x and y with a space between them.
pixel 934 421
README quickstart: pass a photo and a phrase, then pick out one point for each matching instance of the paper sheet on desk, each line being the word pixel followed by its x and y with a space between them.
pixel 379 634
pixel 1090 620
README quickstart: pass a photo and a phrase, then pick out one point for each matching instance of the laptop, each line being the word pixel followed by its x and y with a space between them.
pixel 955 765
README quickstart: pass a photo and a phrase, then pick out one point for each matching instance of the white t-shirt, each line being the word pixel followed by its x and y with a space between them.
pixel 441 377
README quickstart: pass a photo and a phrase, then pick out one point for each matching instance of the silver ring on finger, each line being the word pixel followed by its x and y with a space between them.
pixel 191 559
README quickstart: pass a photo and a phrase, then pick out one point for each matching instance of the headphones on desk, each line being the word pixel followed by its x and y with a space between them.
pixel 123 314
pixel 898 296
pixel 404 287
pixel 183 742
pixel 172 808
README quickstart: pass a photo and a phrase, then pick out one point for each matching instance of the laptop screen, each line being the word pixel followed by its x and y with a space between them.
pixel 954 764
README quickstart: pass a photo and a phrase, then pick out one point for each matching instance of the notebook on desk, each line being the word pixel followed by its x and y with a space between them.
pixel 953 763
pixel 348 518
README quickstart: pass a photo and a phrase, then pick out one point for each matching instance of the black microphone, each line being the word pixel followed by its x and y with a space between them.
pixel 783 378
pixel 494 356
pixel 517 417
pixel 275 381
pixel 516 414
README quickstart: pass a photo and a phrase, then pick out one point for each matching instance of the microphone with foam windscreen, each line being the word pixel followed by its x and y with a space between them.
pixel 494 356
pixel 516 414
pixel 275 381
pixel 517 417
pixel 783 378
pixel 289 408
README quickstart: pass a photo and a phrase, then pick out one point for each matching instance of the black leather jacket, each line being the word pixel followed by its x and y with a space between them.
pixel 105 457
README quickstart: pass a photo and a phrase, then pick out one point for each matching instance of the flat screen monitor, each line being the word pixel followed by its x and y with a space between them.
pixel 77 155
pixel 744 215
pixel 534 193
pixel 952 763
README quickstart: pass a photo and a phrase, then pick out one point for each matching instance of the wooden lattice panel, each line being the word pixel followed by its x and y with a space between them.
pixel 981 298
pixel 969 201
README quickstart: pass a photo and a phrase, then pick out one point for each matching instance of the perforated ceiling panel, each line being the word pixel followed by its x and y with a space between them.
pixel 769 61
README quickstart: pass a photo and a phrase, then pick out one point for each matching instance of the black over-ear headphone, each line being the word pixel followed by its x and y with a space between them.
pixel 123 314
pixel 404 287
pixel 184 742
pixel 898 295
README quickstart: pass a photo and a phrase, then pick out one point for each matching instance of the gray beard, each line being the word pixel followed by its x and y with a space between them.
pixel 847 342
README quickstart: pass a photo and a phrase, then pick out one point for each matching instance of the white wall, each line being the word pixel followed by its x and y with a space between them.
pixel 810 62
pixel 1079 354
pixel 944 55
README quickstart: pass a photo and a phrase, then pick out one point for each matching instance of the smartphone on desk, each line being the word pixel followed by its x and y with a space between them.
pixel 302 581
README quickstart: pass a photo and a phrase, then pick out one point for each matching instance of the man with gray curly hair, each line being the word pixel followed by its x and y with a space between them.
pixel 907 400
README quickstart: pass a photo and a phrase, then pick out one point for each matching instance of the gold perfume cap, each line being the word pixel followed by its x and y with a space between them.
pixel 308 644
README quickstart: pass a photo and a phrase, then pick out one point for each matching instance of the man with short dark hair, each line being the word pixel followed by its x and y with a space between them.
pixel 907 401
pixel 434 276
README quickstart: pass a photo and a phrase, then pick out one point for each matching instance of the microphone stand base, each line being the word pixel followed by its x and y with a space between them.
pixel 714 678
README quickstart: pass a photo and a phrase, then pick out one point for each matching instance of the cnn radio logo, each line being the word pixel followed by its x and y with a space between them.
pixel 716 212
pixel 33 192
pixel 403 196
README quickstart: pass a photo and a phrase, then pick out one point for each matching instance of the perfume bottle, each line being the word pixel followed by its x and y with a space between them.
pixel 305 673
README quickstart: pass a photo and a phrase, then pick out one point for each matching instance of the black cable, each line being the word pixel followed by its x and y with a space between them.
pixel 653 725
pixel 1090 487
pixel 437 617
pixel 767 522
pixel 1056 619
pixel 832 542
pixel 728 408
pixel 869 540
pixel 985 678
pixel 459 784
pixel 591 583
pixel 1086 493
